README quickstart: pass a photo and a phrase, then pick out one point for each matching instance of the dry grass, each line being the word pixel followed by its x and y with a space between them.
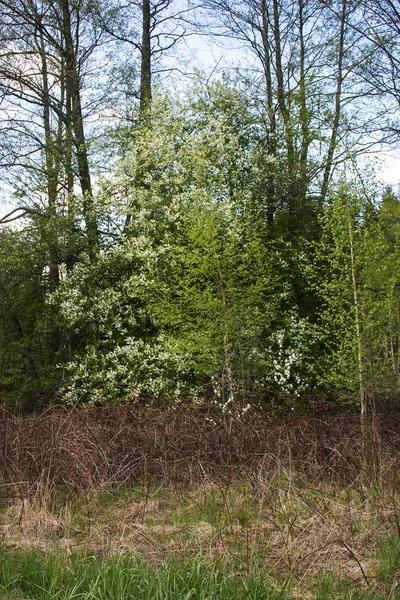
pixel 293 527
pixel 295 494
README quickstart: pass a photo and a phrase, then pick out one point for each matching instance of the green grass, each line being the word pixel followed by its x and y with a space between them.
pixel 54 576
pixel 386 586
pixel 389 567
pixel 44 577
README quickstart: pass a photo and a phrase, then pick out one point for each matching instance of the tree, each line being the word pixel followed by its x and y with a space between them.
pixel 150 27
pixel 27 353
pixel 381 282
pixel 307 52
pixel 193 300
pixel 379 28
pixel 45 50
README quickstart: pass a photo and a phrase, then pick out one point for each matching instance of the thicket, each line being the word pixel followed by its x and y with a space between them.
pixel 194 294
pixel 68 451
pixel 219 243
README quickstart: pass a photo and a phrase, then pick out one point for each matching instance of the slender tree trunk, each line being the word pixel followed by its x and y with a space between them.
pixel 65 105
pixel 271 111
pixel 71 257
pixel 72 82
pixel 281 92
pixel 227 358
pixel 357 314
pixel 305 137
pixel 367 438
pixel 145 67
pixel 268 75
pixel 52 160
pixel 338 105
pixel 52 174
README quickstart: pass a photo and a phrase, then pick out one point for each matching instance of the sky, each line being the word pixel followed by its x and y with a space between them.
pixel 388 167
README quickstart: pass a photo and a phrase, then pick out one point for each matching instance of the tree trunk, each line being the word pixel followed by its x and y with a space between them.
pixel 145 68
pixel 338 106
pixel 52 174
pixel 281 92
pixel 72 82
pixel 305 133
pixel 271 111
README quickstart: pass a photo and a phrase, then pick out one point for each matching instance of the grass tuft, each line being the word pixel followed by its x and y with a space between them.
pixel 38 576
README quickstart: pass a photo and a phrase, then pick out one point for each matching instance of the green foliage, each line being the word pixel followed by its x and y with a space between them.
pixel 372 231
pixel 333 280
pixel 381 275
pixel 212 281
pixel 26 330
pixel 198 297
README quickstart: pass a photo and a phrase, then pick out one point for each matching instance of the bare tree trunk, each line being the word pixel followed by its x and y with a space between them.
pixel 52 174
pixel 270 108
pixel 267 72
pixel 145 67
pixel 71 257
pixel 305 138
pixel 72 82
pixel 227 358
pixel 368 437
pixel 338 106
pixel 281 92
pixel 65 100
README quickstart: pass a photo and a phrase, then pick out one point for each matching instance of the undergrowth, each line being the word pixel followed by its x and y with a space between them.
pixel 178 507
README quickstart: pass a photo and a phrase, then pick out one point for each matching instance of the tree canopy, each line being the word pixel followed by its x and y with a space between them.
pixel 213 238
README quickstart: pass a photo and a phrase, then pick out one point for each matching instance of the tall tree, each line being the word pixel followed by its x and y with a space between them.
pixel 46 48
pixel 379 29
pixel 152 28
pixel 306 53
